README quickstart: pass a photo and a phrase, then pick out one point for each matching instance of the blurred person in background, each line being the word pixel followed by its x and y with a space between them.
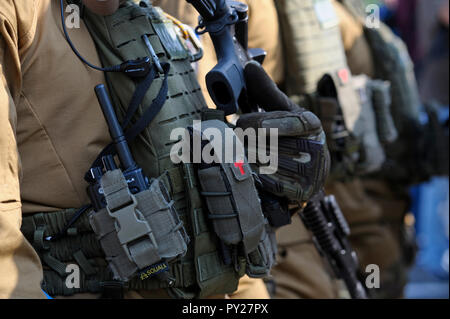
pixel 423 25
pixel 432 40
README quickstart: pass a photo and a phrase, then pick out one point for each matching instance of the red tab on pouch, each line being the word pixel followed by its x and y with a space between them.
pixel 240 165
pixel 343 75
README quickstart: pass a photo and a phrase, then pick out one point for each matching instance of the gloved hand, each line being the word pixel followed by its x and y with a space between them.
pixel 303 157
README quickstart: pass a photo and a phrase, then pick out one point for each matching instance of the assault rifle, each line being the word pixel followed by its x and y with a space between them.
pixel 323 217
pixel 227 24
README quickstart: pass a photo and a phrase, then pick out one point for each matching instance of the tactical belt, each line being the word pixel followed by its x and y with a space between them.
pixel 80 246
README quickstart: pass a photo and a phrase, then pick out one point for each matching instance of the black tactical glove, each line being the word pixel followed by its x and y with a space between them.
pixel 303 157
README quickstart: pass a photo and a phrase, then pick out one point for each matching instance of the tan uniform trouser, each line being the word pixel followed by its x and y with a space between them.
pixel 394 206
pixel 301 272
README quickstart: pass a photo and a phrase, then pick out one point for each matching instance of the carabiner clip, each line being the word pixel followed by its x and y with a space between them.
pixel 195 42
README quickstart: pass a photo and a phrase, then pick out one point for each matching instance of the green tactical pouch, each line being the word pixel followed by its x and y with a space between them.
pixel 381 102
pixel 228 188
pixel 218 189
pixel 358 118
pixel 337 102
pixel 260 261
pixel 372 155
pixel 138 233
pixel 235 212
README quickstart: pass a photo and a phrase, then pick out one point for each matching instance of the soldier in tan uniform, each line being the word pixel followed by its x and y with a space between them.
pixel 393 255
pixel 374 210
pixel 56 144
pixel 307 275
pixel 371 239
pixel 57 136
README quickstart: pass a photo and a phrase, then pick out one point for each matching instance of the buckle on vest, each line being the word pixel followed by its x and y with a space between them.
pixel 131 228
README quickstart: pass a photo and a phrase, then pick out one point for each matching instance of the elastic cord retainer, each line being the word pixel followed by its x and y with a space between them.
pixel 135 68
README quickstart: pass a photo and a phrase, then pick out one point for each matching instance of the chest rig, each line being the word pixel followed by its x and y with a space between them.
pixel 149 107
pixel 410 157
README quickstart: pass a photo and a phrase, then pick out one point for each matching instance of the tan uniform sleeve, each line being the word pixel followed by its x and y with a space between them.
pixel 250 288
pixel 264 32
pixel 20 268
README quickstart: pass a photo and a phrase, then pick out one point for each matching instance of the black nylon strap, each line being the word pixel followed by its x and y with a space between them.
pixel 72 221
pixel 138 95
pixel 153 110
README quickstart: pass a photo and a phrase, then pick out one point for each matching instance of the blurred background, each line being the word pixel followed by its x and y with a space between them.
pixel 424 26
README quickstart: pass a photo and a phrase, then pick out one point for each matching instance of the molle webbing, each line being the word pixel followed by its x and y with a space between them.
pixel 202 265
pixel 372 154
pixel 213 277
pixel 118 39
pixel 315 51
pixel 314 48
pixel 405 164
pixel 312 42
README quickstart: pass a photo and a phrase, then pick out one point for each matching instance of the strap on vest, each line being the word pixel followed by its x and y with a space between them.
pixel 148 116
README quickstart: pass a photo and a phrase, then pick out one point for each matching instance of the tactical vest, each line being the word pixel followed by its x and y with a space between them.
pixel 316 73
pixel 201 271
pixel 355 7
pixel 312 40
pixel 406 160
